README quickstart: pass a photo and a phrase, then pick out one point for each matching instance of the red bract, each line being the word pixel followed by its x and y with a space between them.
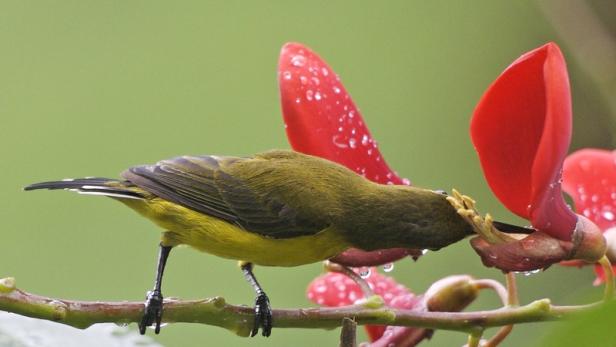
pixel 321 119
pixel 589 176
pixel 521 129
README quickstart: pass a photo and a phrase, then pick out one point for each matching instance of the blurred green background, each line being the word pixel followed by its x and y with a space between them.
pixel 90 88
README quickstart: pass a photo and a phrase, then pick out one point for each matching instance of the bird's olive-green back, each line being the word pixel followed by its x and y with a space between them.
pixel 284 194
pixel 280 194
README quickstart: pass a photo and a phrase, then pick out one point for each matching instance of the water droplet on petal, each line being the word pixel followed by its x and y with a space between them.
pixel 406 181
pixel 364 140
pixel 608 215
pixel 351 114
pixel 317 96
pixel 324 71
pixel 286 75
pixel 315 81
pixel 336 90
pixel 352 142
pixel 339 141
pixel 389 267
pixel 298 100
pixel 309 95
pixel 298 60
pixel 303 79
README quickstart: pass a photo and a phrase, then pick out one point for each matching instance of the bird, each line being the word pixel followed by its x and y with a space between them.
pixel 276 208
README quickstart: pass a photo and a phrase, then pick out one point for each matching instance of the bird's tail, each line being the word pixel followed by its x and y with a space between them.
pixel 92 186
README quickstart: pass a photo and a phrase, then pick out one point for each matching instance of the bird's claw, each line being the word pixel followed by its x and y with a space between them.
pixel 263 316
pixel 153 312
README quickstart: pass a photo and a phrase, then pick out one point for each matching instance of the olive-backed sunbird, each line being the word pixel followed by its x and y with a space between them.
pixel 278 208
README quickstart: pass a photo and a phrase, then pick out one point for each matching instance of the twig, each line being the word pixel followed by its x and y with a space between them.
pixel 348 333
pixel 239 319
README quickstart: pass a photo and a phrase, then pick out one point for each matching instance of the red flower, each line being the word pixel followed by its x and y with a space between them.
pixel 589 176
pixel 521 130
pixel 450 294
pixel 336 289
pixel 321 119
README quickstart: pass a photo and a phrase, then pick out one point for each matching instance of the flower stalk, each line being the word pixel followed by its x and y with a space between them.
pixel 609 278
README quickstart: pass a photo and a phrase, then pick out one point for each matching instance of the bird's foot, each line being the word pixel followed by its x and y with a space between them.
pixel 153 312
pixel 263 316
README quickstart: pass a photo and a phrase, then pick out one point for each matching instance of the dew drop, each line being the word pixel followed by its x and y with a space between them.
pixel 339 142
pixel 608 215
pixel 389 267
pixel 309 95
pixel 530 273
pixel 365 273
pixel 315 81
pixel 364 140
pixel 324 71
pixel 369 152
pixel 303 79
pixel 336 90
pixel 351 114
pixel 317 96
pixel 286 75
pixel 406 181
pixel 352 142
pixel 298 100
pixel 340 129
pixel 298 60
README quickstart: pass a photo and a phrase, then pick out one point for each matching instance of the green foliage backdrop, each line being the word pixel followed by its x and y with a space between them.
pixel 90 88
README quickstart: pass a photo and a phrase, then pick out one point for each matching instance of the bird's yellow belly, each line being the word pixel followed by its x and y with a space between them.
pixel 215 236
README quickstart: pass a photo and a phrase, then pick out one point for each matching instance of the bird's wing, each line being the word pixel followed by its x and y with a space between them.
pixel 210 185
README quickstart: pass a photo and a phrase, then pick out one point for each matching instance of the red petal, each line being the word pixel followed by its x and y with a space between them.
pixel 601 274
pixel 589 176
pixel 521 130
pixel 321 118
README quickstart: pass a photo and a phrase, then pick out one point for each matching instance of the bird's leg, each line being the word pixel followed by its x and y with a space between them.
pixel 263 311
pixel 153 312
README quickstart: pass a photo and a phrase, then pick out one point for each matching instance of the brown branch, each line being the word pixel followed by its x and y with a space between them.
pixel 239 319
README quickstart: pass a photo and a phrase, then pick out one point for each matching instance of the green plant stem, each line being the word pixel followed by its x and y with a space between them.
pixel 239 319
pixel 474 339
pixel 609 278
